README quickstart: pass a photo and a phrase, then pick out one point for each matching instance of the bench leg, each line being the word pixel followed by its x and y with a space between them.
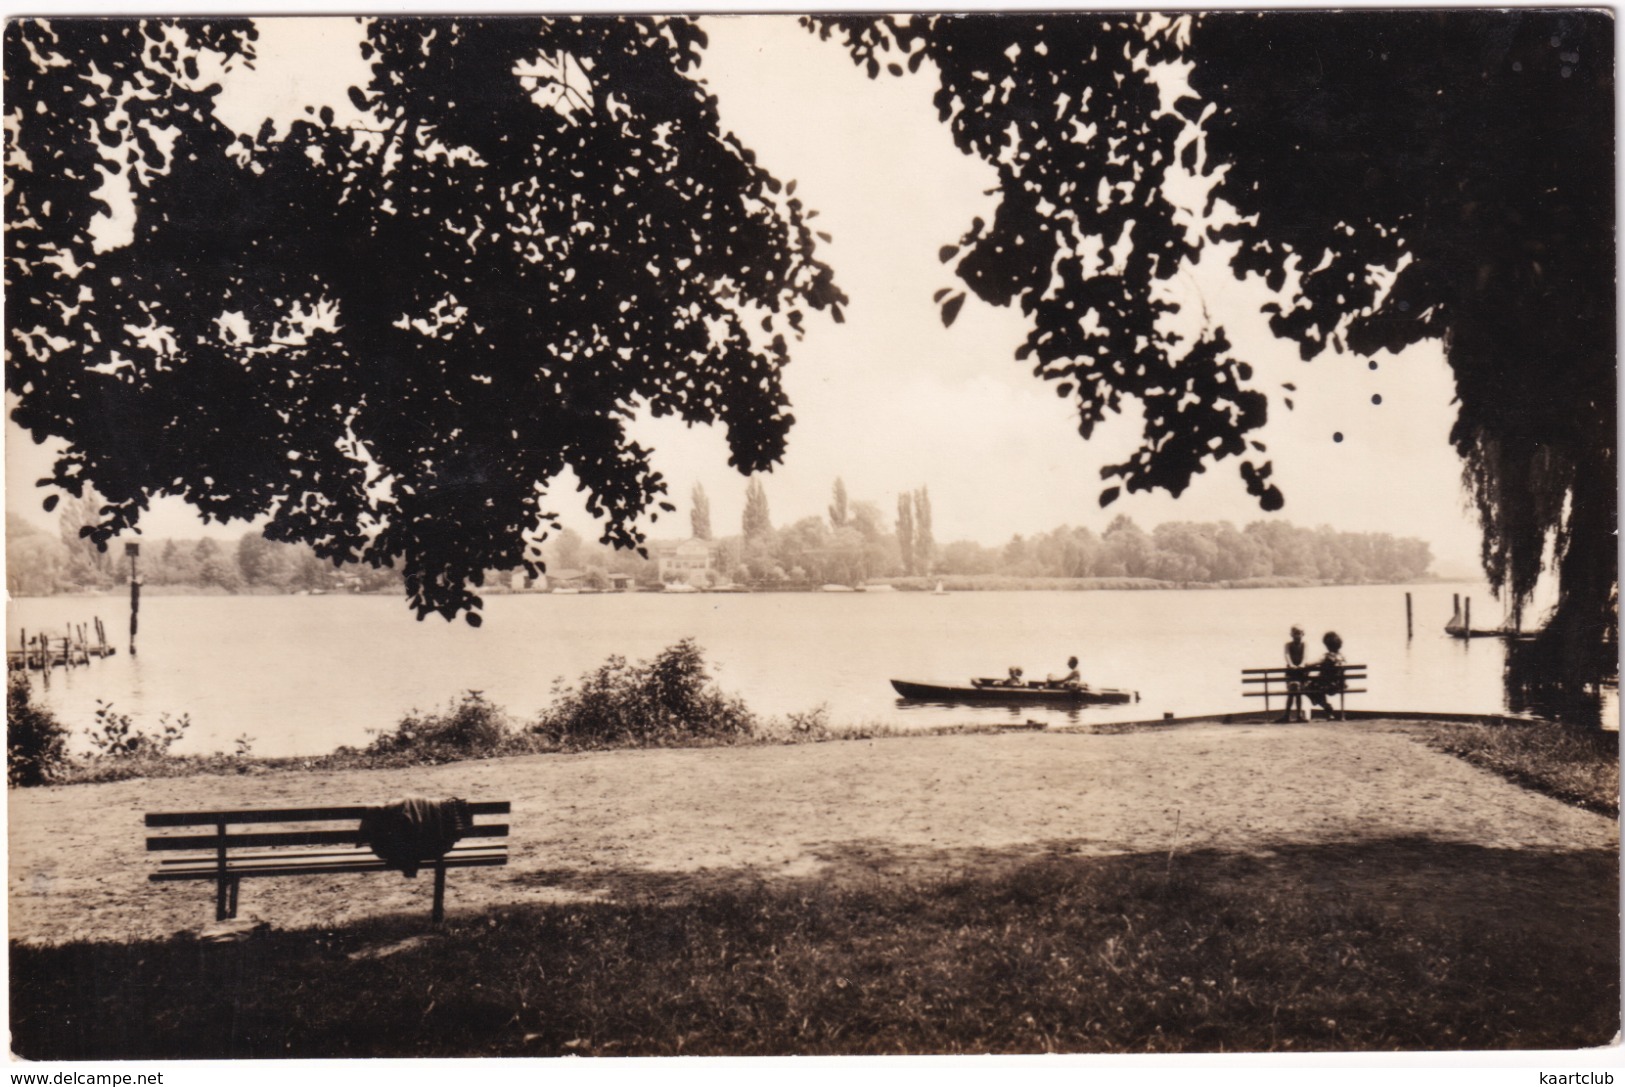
pixel 439 892
pixel 225 898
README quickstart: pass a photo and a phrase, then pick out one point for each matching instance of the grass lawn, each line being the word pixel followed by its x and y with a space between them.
pixel 1397 944
pixel 1577 765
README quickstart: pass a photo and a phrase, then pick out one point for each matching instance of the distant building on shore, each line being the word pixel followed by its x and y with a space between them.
pixel 687 563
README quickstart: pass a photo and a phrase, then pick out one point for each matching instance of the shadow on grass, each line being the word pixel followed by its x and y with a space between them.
pixel 1403 944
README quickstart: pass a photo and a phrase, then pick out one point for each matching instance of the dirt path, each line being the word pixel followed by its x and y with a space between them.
pixel 672 822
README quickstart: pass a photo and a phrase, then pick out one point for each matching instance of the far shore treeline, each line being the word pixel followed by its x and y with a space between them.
pixel 851 545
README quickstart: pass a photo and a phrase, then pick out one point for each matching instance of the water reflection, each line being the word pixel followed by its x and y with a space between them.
pixel 1535 686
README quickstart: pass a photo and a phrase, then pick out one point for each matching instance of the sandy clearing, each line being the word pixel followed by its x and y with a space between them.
pixel 623 823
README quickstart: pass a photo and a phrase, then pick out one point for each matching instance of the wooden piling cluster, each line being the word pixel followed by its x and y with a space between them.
pixel 75 648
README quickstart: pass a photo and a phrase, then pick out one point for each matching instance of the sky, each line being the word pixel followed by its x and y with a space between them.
pixel 892 401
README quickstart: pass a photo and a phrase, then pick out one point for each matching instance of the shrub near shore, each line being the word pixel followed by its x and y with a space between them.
pixel 669 701
pixel 36 742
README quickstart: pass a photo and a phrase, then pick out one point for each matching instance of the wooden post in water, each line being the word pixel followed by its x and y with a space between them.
pixel 1467 618
pixel 133 550
pixel 1408 632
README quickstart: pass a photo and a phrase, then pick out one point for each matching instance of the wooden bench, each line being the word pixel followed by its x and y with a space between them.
pixel 228 858
pixel 1274 681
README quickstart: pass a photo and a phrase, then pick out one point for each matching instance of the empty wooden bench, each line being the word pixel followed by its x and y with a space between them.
pixel 1275 684
pixel 324 843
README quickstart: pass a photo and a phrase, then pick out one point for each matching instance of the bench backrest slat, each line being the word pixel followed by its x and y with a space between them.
pixel 1348 673
pixel 1282 669
pixel 259 839
pixel 290 815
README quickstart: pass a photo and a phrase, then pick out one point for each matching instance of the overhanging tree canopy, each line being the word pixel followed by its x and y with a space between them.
pixel 392 336
pixel 1400 175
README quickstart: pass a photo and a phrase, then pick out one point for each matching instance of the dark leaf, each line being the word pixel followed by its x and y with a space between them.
pixel 950 309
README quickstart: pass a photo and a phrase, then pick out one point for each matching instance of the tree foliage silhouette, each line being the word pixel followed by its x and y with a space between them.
pixel 1398 175
pixel 1491 196
pixel 905 531
pixel 1084 234
pixel 839 511
pixel 925 543
pixel 699 514
pixel 391 336
pixel 756 522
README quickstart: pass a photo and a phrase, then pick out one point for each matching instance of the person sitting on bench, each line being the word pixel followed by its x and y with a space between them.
pixel 1328 679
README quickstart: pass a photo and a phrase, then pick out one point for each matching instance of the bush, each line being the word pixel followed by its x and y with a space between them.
pixel 798 728
pixel 471 727
pixel 117 737
pixel 667 700
pixel 36 742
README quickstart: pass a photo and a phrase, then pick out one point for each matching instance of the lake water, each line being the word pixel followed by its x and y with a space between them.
pixel 302 675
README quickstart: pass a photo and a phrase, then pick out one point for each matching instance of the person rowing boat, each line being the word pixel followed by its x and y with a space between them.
pixel 1071 680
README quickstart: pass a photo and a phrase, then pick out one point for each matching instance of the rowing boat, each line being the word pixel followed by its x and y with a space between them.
pixel 992 691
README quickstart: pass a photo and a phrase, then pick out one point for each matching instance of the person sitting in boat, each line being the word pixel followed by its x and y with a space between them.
pixel 1329 678
pixel 1296 676
pixel 1071 679
pixel 1014 679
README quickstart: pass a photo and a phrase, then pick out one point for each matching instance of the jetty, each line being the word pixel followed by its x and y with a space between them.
pixel 75 647
pixel 1461 624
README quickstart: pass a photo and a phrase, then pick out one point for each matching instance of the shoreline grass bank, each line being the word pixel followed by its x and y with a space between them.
pixel 1384 945
pixel 1578 766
